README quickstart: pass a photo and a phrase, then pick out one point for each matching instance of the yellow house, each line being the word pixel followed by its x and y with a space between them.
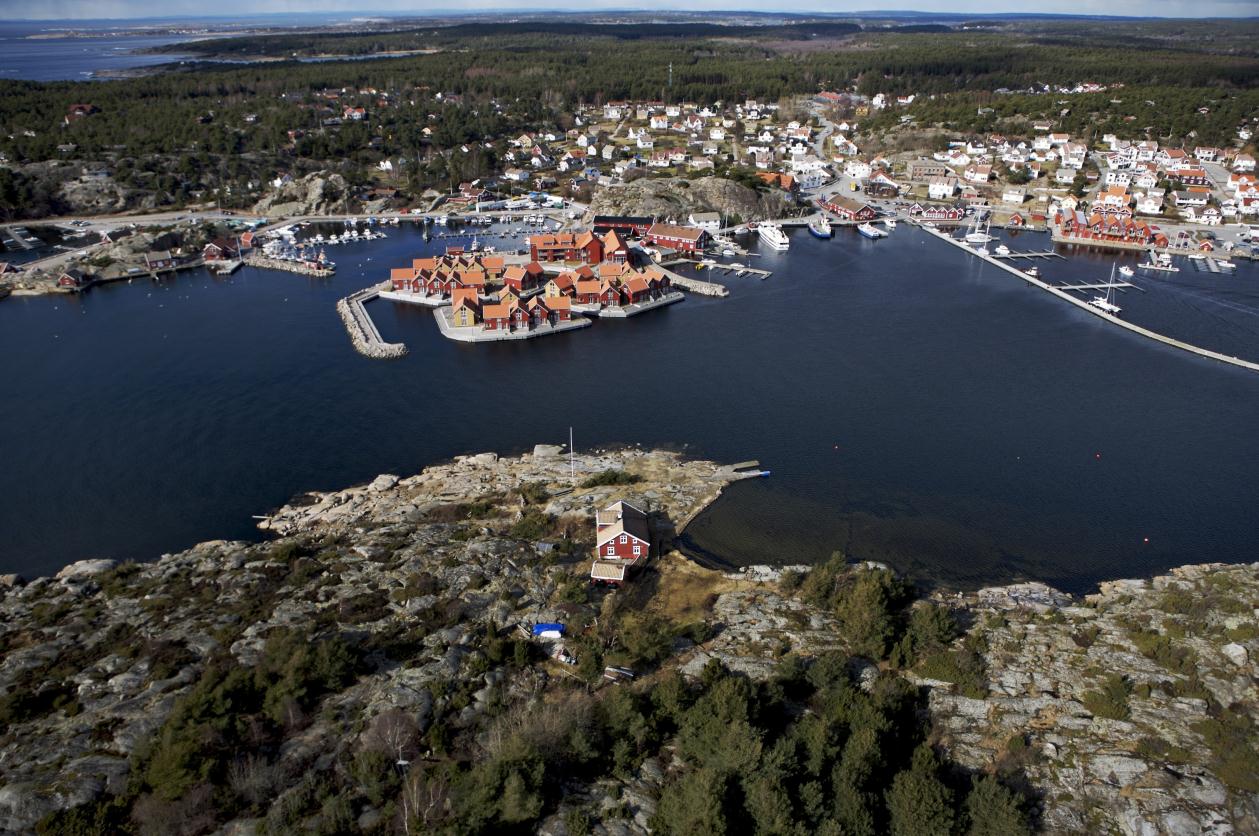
pixel 465 307
pixel 561 285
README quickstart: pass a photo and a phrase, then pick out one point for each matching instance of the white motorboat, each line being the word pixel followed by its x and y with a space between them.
pixel 1002 249
pixel 869 230
pixel 773 236
pixel 1127 272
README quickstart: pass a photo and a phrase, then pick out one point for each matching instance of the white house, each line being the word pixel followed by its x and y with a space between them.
pixel 708 221
pixel 1013 195
pixel 858 169
pixel 941 188
pixel 1150 202
pixel 1243 162
pixel 977 173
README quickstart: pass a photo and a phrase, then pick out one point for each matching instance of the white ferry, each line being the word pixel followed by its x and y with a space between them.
pixel 869 230
pixel 773 236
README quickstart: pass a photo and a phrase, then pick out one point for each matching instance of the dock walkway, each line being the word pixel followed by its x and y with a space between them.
pixel 474 334
pixel 1085 306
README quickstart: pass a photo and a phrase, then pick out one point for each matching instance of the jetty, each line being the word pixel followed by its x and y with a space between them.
pixel 363 334
pixel 703 288
pixel 1095 311
pixel 298 267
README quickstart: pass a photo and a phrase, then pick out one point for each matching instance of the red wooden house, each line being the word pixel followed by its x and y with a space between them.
pixel 496 317
pixel 561 309
pixel 847 209
pixel 588 291
pixel 615 249
pixel 609 295
pixel 684 239
pixel 622 534
pixel 220 249
pixel 566 246
pixel 637 290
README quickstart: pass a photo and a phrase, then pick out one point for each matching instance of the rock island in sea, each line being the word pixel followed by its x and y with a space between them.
pixel 375 669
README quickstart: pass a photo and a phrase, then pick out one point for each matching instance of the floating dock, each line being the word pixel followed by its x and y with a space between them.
pixel 1085 306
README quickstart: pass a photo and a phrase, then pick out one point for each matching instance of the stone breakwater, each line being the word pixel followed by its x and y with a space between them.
pixel 290 266
pixel 363 334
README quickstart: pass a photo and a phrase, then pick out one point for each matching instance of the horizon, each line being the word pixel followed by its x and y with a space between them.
pixel 118 11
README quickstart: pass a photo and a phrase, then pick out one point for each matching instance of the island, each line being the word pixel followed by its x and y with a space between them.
pixel 439 652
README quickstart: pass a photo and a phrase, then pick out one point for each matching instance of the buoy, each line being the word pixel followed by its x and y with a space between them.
pixel 1097 456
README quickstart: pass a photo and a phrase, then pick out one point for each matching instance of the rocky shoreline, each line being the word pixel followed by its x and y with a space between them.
pixel 99 661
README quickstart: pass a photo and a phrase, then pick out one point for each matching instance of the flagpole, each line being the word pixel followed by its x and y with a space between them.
pixel 572 464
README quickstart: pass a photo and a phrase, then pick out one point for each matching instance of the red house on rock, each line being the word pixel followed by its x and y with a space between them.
pixel 623 541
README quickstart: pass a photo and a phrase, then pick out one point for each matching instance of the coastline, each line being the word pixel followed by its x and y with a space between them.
pixel 460 538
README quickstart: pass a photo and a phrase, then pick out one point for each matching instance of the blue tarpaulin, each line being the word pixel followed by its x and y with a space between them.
pixel 548 629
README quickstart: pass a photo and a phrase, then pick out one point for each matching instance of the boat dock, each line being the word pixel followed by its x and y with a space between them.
pixel 738 270
pixel 623 311
pixel 363 334
pixel 1100 286
pixel 1085 306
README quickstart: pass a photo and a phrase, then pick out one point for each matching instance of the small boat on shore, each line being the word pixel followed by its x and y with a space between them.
pixel 820 227
pixel 869 230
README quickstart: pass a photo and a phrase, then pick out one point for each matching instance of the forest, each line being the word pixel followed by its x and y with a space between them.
pixel 207 126
pixel 813 750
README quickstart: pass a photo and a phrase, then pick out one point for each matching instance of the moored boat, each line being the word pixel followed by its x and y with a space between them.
pixel 820 227
pixel 773 236
pixel 869 230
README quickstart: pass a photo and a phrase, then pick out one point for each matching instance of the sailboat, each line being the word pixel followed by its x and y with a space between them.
pixel 1104 303
pixel 977 237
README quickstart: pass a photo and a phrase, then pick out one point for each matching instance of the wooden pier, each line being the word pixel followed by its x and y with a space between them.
pixel 1085 306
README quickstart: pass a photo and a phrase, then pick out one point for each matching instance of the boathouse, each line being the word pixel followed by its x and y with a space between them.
pixel 847 209
pixel 684 239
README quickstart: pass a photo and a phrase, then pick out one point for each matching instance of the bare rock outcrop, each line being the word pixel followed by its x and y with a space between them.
pixel 320 193
pixel 678 197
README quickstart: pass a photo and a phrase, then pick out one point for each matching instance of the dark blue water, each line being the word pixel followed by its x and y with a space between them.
pixel 914 405
pixel 73 58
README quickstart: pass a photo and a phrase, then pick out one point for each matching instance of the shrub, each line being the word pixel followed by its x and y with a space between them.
pixel 534 493
pixel 611 476
pixel 532 525
pixel 1111 700
pixel 964 667
pixel 993 810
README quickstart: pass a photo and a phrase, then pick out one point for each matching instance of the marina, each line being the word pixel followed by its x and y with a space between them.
pixel 967 345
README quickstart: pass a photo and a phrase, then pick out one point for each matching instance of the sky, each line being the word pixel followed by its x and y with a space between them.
pixel 98 9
